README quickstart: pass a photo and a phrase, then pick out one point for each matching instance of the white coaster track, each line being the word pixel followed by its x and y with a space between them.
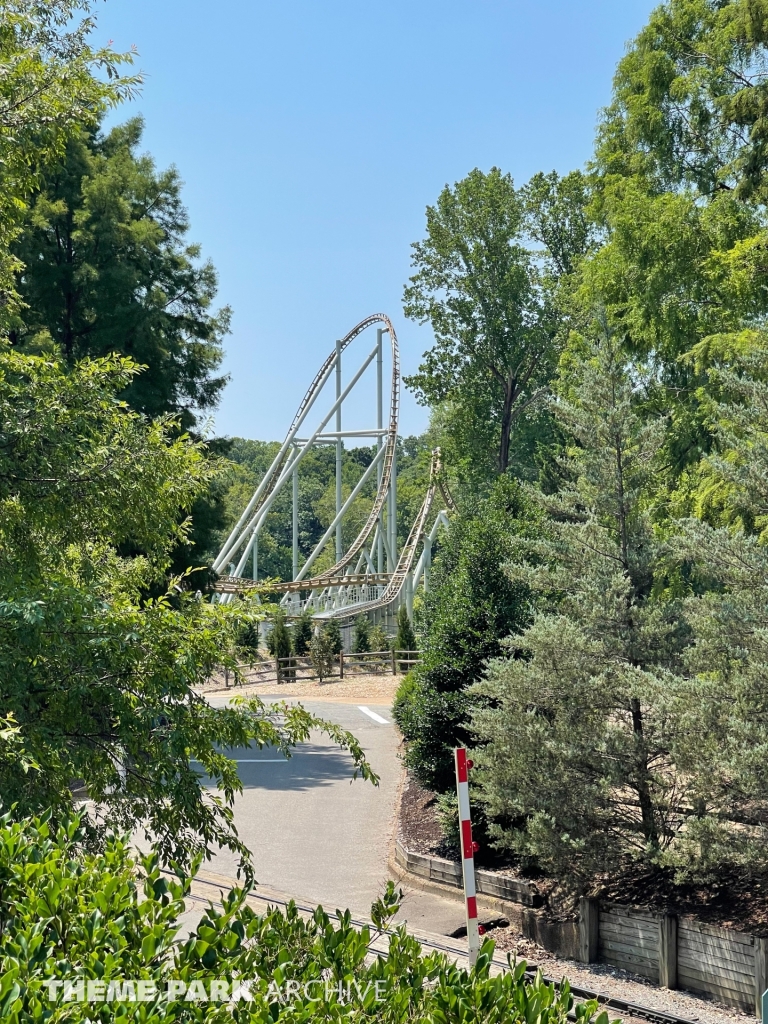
pixel 370 575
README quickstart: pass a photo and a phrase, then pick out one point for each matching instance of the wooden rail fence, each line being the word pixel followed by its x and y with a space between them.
pixel 295 668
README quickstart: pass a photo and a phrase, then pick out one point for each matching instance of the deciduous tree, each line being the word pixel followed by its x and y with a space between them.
pixel 103 682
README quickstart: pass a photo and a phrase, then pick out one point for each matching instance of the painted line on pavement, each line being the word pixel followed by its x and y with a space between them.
pixel 372 714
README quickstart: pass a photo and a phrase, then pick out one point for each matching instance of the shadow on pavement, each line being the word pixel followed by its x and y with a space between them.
pixel 310 767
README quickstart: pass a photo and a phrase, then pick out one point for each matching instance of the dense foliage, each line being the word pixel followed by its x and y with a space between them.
pixel 487 279
pixel 584 707
pixel 109 921
pixel 317 498
pixel 624 721
pixel 471 606
pixel 54 84
pixel 100 677
pixel 405 638
pixel 107 269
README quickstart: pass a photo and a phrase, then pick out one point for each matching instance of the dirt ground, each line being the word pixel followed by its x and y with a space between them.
pixel 377 689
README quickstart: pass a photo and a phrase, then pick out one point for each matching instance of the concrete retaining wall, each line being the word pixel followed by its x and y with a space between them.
pixel 725 964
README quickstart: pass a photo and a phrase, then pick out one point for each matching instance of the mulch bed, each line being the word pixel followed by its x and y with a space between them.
pixel 419 824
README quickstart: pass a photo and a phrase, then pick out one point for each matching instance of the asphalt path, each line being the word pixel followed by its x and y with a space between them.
pixel 317 835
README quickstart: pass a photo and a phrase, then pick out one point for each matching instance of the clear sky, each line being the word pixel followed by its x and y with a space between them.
pixel 312 134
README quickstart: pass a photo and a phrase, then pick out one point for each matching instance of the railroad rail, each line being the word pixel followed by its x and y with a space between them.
pixel 625 1007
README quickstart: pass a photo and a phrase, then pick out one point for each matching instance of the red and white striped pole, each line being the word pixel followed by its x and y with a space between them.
pixel 468 850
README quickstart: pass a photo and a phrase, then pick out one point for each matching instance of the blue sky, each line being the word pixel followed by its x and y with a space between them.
pixel 312 135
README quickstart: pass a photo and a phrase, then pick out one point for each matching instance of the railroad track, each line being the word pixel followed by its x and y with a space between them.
pixel 627 1009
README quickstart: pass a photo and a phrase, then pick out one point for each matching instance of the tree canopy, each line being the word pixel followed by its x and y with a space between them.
pixel 107 268
pixel 54 83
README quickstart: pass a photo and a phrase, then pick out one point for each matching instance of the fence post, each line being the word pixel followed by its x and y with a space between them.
pixel 277 670
pixel 668 951
pixel 341 664
pixel 761 976
pixel 589 924
pixel 394 663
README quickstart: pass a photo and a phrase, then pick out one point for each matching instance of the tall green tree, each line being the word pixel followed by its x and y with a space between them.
pixel 54 82
pixel 489 297
pixel 471 606
pixel 722 703
pixel 361 635
pixel 691 99
pixel 574 733
pixel 107 268
pixel 679 196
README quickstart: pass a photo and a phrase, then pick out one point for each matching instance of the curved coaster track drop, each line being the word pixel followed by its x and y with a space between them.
pixel 369 575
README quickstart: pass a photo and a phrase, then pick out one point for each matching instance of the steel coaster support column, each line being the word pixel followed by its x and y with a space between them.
pixel 339 449
pixel 392 513
pixel 262 513
pixel 425 562
pixel 409 595
pixel 328 533
pixel 295 523
pixel 230 546
pixel 256 558
pixel 380 426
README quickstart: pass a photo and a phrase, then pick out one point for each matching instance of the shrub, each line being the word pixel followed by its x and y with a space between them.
pixel 110 918
pixel 403 704
pixel 332 630
pixel 379 639
pixel 248 640
pixel 406 638
pixel 361 635
pixel 302 633
pixel 471 606
pixel 281 643
pixel 321 654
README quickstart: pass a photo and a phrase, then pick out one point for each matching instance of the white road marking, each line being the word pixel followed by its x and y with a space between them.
pixel 372 714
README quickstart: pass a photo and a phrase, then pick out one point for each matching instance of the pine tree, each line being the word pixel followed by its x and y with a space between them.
pixel 722 705
pixel 248 639
pixel 280 643
pixel 361 635
pixel 107 268
pixel 575 739
pixel 333 631
pixel 302 633
pixel 321 654
pixel 406 638
pixel 471 606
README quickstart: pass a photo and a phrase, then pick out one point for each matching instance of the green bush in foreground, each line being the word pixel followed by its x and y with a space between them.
pixel 71 916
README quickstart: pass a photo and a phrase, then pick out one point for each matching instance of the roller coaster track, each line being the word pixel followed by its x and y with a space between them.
pixel 408 554
pixel 389 455
pixel 274 477
pixel 337 578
